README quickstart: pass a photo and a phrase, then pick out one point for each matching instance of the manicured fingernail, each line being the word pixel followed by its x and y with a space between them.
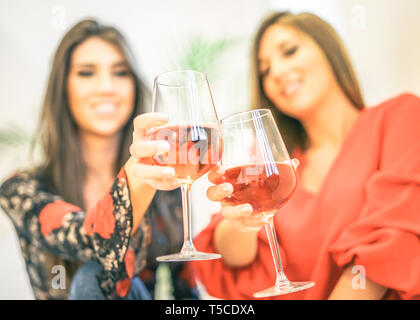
pixel 162 147
pixel 246 208
pixel 168 171
pixel 227 187
pixel 162 117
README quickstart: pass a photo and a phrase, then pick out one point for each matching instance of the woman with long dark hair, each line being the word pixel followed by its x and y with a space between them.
pixel 352 225
pixel 90 207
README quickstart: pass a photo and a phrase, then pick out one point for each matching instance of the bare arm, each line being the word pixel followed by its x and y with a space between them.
pixel 145 179
pixel 237 247
pixel 236 237
pixel 345 289
pixel 141 195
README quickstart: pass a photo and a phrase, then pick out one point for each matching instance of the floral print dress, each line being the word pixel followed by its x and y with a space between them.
pixel 50 230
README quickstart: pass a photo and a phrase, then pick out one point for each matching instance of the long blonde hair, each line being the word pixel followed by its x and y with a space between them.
pixel 333 47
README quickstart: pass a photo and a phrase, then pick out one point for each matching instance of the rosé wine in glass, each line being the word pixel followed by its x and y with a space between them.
pixel 193 150
pixel 264 186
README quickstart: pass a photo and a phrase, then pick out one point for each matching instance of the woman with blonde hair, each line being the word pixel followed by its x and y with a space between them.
pixel 352 225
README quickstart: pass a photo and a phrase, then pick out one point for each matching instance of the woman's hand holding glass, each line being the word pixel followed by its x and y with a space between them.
pixel 158 177
pixel 178 151
pixel 144 179
pixel 257 165
pixel 239 215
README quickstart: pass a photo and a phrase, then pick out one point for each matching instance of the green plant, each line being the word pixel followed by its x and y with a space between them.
pixel 203 54
pixel 13 136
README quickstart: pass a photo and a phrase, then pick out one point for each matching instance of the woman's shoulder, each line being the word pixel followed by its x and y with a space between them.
pixel 31 178
pixel 396 122
pixel 399 113
pixel 406 102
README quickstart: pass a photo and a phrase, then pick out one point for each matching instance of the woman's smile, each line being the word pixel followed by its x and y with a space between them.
pixel 106 109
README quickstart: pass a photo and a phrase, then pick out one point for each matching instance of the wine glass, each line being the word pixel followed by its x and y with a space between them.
pixel 256 162
pixel 194 138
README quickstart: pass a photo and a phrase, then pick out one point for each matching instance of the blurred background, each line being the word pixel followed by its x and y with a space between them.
pixel 210 36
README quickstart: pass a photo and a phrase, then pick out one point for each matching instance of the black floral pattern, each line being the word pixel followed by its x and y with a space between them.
pixel 25 196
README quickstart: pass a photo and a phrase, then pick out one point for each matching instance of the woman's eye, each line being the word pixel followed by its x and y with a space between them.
pixel 85 73
pixel 122 73
pixel 291 51
pixel 265 72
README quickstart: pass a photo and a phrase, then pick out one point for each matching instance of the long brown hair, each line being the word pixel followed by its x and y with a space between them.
pixel 327 38
pixel 63 166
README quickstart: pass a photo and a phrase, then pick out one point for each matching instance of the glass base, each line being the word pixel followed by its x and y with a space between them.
pixel 284 288
pixel 190 256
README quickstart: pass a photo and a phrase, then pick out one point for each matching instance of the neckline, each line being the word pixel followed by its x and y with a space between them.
pixel 301 157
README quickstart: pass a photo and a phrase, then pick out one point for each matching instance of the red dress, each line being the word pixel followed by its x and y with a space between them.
pixel 367 213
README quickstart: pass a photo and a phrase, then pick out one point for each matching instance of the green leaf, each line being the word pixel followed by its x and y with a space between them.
pixel 13 136
pixel 202 54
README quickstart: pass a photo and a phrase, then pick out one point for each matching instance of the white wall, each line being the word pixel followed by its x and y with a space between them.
pixel 386 50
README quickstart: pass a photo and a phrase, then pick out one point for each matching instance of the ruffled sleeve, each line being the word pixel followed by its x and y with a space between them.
pixel 385 240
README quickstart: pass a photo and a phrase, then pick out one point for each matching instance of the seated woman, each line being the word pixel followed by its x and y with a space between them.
pixel 90 207
pixel 352 225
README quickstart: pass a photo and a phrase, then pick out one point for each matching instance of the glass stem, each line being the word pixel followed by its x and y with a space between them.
pixel 188 246
pixel 281 278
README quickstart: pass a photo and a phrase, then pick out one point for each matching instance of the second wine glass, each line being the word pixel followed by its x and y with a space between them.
pixel 194 138
pixel 257 164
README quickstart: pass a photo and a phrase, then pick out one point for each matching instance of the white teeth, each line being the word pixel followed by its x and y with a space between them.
pixel 291 88
pixel 105 107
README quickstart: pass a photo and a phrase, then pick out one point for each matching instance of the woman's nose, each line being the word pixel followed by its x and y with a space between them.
pixel 279 69
pixel 105 83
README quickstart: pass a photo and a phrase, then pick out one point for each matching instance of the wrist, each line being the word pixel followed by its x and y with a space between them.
pixel 141 195
pixel 238 247
pixel 134 182
pixel 237 226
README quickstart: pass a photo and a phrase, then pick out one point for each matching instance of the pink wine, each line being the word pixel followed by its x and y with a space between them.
pixel 194 150
pixel 264 186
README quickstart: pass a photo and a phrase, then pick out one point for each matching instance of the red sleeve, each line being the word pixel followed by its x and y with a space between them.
pixel 225 282
pixel 385 239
